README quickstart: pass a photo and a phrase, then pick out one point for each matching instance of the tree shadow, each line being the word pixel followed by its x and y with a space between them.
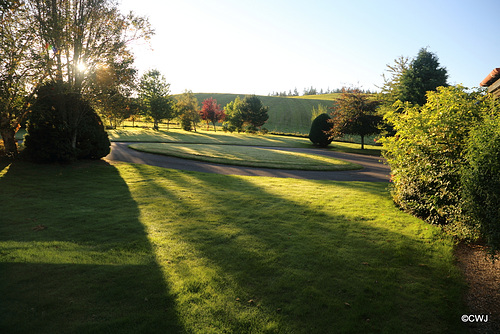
pixel 299 269
pixel 72 260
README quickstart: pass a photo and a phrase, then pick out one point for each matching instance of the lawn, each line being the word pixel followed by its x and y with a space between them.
pixel 205 137
pixel 226 138
pixel 99 248
pixel 247 156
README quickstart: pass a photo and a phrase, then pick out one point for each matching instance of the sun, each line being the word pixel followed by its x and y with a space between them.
pixel 81 67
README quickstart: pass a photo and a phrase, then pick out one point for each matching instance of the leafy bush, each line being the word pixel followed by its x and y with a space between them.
pixel 481 180
pixel 427 153
pixel 320 127
pixel 63 127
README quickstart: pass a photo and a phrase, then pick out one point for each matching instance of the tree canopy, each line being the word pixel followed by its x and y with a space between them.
pixel 424 74
pixel 248 110
pixel 212 112
pixel 154 92
pixel 355 113
pixel 61 41
pixel 187 109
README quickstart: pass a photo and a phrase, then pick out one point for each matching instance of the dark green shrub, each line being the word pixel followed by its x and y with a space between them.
pixel 320 127
pixel 62 127
pixel 481 180
pixel 92 140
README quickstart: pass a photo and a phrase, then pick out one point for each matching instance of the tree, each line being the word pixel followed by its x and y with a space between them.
pixel 390 90
pixel 354 113
pixel 253 111
pixel 320 128
pixel 80 35
pixel 112 86
pixel 234 119
pixel 77 37
pixel 187 108
pixel 424 74
pixel 248 111
pixel 211 112
pixel 64 40
pixel 20 72
pixel 154 92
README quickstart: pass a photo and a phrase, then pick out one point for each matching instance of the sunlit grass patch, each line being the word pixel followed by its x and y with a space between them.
pixel 205 137
pixel 133 248
pixel 247 156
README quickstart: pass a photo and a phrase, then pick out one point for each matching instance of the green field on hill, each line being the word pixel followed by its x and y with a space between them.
pixel 290 115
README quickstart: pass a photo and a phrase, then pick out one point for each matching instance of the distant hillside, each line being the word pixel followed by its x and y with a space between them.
pixel 292 115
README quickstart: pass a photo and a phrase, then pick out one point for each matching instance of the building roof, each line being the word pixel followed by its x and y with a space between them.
pixel 491 78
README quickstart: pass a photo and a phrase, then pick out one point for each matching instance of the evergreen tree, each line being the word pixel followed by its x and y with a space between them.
pixel 254 112
pixel 424 74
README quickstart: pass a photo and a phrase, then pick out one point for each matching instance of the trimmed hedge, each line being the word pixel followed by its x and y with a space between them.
pixel 318 134
pixel 481 179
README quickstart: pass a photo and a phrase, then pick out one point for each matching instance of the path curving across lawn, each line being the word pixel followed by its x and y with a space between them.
pixel 374 170
pixel 250 156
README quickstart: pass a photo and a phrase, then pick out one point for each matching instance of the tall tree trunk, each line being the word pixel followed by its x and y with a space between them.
pixel 9 141
pixel 362 142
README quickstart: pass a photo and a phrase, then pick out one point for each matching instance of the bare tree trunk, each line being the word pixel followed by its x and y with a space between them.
pixel 9 141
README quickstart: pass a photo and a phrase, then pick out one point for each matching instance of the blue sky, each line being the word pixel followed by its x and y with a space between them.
pixel 259 46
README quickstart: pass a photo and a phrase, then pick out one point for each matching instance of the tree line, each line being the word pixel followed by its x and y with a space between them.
pixel 313 91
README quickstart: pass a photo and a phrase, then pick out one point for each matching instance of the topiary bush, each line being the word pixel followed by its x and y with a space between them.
pixel 63 127
pixel 319 129
pixel 481 180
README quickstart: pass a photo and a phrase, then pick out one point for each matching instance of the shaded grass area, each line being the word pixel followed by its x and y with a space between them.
pixel 247 156
pixel 133 248
pixel 74 256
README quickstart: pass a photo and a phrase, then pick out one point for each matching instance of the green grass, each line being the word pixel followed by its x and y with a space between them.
pixel 225 138
pixel 138 249
pixel 205 137
pixel 247 156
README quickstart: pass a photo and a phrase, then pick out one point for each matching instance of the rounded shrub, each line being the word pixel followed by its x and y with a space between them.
pixel 319 128
pixel 63 127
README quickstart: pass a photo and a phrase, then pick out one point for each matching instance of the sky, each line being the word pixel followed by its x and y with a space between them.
pixel 264 46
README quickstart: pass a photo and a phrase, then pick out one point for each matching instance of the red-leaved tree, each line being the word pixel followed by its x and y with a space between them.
pixel 212 112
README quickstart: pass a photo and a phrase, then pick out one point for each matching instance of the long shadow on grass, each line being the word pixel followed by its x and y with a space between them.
pixel 74 257
pixel 278 264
